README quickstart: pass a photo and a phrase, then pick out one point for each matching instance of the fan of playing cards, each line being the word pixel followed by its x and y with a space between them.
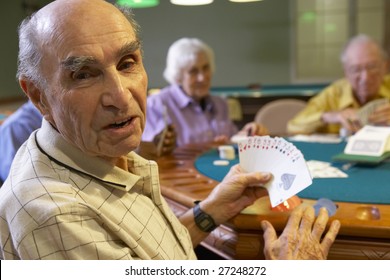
pixel 279 157
pixel 364 112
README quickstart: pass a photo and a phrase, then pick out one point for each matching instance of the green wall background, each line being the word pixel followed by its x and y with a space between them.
pixel 251 40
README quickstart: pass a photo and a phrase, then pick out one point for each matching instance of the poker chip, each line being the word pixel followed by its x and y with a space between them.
pixel 221 162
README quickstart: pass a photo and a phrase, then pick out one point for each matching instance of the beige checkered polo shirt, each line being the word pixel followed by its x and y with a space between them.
pixel 59 203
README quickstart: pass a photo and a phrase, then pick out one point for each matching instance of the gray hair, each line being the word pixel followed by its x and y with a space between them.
pixel 181 53
pixel 360 39
pixel 30 53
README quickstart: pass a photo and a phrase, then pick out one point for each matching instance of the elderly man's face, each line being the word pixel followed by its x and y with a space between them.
pixel 196 77
pixel 96 94
pixel 365 69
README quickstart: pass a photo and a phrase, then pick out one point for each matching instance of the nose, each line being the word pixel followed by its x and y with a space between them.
pixel 116 93
pixel 201 75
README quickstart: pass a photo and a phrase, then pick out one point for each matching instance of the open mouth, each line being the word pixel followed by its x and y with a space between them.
pixel 120 124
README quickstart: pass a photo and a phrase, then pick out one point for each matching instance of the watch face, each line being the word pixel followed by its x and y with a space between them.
pixel 204 221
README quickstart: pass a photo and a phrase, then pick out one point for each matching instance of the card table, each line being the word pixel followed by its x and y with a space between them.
pixel 362 200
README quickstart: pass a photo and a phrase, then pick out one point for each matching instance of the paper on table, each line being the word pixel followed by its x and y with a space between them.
pixel 317 138
pixel 322 169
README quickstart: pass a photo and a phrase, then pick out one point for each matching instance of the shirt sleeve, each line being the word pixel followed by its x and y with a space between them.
pixel 14 132
pixel 154 123
pixel 309 120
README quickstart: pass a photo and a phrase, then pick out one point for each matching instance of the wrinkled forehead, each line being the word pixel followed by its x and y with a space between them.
pixel 363 54
pixel 66 20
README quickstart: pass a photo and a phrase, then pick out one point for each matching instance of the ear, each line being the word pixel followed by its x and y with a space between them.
pixel 37 97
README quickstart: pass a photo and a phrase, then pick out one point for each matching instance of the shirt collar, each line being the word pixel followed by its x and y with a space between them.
pixel 347 99
pixel 384 90
pixel 183 100
pixel 58 149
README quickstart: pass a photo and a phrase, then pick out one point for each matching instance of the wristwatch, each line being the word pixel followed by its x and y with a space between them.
pixel 203 220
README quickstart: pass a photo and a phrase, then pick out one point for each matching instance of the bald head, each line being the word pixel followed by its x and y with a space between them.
pixel 364 42
pixel 62 20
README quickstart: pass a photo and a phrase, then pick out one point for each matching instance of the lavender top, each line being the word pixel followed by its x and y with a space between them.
pixel 192 124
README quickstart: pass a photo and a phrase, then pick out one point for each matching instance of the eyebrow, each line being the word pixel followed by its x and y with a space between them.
pixel 75 63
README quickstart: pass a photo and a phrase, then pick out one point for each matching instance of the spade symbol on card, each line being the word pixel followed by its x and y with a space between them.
pixel 287 180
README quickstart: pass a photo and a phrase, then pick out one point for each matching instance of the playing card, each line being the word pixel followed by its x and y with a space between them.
pixel 321 169
pixel 364 112
pixel 279 157
pixel 369 141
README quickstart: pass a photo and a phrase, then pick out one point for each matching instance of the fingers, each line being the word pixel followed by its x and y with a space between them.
pixel 221 139
pixel 307 221
pixel 261 130
pixel 330 237
pixel 249 129
pixel 256 178
pixel 380 116
pixel 320 223
pixel 353 124
pixel 248 179
pixel 169 141
pixel 294 220
pixel 349 120
pixel 270 236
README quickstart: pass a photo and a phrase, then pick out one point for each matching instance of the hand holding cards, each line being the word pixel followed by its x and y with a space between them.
pixel 279 157
pixel 365 112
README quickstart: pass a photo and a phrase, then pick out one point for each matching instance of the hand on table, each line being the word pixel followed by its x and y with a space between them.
pixel 237 191
pixel 301 238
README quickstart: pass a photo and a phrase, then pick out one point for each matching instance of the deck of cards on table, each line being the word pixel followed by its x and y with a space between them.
pixel 279 157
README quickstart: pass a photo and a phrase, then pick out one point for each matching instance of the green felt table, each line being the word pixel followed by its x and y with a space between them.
pixel 365 183
pixel 362 201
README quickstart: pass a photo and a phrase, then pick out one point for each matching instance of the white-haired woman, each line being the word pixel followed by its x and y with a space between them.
pixel 186 103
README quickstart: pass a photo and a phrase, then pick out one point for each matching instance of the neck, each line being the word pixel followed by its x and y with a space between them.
pixel 120 162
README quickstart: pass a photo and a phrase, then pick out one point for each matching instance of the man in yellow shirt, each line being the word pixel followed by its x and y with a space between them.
pixel 336 107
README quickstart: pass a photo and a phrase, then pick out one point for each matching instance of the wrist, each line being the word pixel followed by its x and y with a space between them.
pixel 203 220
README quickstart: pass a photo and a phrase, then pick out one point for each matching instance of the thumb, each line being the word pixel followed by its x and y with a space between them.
pixel 269 232
pixel 270 238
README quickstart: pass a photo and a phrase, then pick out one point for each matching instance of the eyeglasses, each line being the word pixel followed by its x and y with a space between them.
pixel 370 68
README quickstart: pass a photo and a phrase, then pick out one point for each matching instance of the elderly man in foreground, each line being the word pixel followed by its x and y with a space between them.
pixel 76 189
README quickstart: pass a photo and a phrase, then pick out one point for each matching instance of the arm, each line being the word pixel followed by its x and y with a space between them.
pixel 237 191
pixel 155 122
pixel 311 119
pixel 346 118
pixel 15 130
